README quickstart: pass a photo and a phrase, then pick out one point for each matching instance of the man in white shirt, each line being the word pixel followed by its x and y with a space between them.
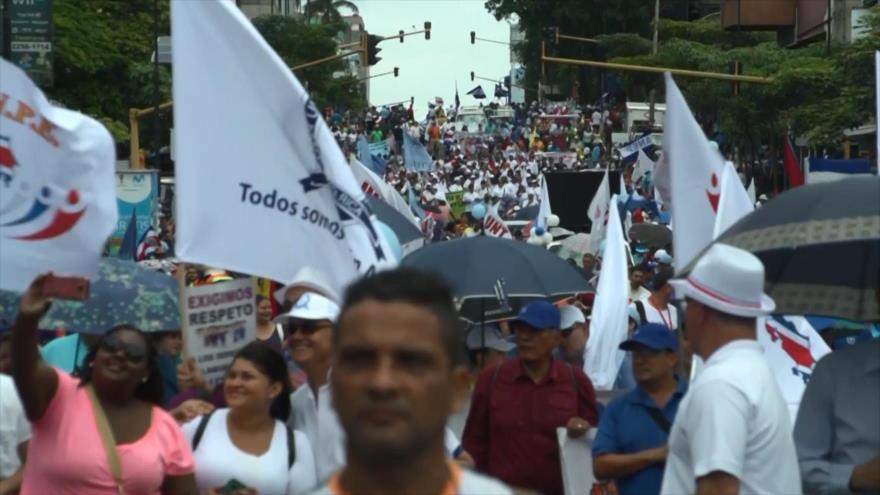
pixel 732 433
pixel 656 308
pixel 637 276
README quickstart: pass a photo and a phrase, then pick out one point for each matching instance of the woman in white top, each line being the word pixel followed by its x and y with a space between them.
pixel 248 445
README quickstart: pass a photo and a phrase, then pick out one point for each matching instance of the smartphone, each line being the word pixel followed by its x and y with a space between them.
pixel 232 486
pixel 73 288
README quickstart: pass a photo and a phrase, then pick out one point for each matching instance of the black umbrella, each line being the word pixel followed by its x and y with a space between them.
pixel 651 234
pixel 493 277
pixel 820 245
pixel 406 231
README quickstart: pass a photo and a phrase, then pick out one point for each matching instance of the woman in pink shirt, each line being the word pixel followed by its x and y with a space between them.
pixel 66 454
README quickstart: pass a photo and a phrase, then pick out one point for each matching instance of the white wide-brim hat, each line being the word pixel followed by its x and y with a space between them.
pixel 310 279
pixel 727 279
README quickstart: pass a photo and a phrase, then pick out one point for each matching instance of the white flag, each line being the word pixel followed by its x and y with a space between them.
pixel 255 159
pixel 734 202
pixel 494 226
pixel 662 182
pixel 608 324
pixel 544 208
pixel 598 214
pixel 644 166
pixel 57 185
pixel 792 348
pixel 877 110
pixel 752 192
pixel 373 185
pixel 695 169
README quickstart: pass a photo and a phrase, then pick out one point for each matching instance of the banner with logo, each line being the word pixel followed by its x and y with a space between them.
pixel 255 159
pixel 792 348
pixel 57 205
pixel 455 200
pixel 494 226
pixel 137 192
pixel 629 150
pixel 220 319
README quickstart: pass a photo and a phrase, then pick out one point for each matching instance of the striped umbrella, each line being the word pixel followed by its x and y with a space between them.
pixel 820 245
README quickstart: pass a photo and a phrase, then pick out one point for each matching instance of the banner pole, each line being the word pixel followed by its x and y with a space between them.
pixel 184 326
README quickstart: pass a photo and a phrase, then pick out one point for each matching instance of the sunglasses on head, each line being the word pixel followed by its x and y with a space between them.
pixel 134 353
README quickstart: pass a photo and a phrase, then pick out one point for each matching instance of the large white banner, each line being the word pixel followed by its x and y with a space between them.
pixel 57 183
pixel 608 324
pixel 494 226
pixel 695 171
pixel 221 319
pixel 262 186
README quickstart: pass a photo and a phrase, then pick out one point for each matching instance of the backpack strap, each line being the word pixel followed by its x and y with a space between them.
pixel 291 447
pixel 640 307
pixel 200 430
pixel 660 419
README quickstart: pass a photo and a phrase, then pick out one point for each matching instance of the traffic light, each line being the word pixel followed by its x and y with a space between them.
pixel 473 37
pixel 372 49
pixel 472 75
pixel 400 34
pixel 427 30
pixel 736 69
pixel 396 71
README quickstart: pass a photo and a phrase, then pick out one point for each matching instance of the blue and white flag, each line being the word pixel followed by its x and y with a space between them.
pixel 57 185
pixel 366 155
pixel 827 170
pixel 236 104
pixel 414 204
pixel 415 156
pixel 629 151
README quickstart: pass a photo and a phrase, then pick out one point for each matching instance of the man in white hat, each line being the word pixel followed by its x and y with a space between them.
pixel 732 433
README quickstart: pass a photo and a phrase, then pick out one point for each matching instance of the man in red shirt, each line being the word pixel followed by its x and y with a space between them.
pixel 517 406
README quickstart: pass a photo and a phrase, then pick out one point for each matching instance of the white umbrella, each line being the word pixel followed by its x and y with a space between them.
pixel 578 243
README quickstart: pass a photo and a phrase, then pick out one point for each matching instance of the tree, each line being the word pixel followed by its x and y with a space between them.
pixel 102 54
pixel 328 10
pixel 297 42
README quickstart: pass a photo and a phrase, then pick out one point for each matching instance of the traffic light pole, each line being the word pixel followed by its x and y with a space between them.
pixel 326 59
pixel 656 70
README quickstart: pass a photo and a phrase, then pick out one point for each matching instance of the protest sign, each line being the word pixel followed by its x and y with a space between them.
pixel 576 459
pixel 220 319
pixel 494 226
pixel 57 206
pixel 456 203
pixel 273 164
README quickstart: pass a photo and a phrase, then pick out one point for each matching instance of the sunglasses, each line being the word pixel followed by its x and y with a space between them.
pixel 134 353
pixel 307 327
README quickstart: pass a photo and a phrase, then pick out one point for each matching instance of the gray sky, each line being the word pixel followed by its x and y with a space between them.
pixel 430 68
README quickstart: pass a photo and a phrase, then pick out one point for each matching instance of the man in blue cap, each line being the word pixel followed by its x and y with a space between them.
pixel 631 443
pixel 517 406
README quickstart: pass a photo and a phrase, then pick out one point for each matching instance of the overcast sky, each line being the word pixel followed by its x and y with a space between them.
pixel 430 68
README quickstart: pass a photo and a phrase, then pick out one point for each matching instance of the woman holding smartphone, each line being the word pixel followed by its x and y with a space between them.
pixel 247 447
pixel 102 433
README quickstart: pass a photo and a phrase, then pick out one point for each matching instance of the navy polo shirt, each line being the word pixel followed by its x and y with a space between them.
pixel 626 427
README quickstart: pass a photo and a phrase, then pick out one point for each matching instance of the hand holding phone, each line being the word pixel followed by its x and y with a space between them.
pixel 72 288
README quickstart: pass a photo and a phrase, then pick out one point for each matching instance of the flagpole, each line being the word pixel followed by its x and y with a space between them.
pixel 184 326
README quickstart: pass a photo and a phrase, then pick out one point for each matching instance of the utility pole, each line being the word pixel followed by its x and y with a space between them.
pixel 157 131
pixel 656 26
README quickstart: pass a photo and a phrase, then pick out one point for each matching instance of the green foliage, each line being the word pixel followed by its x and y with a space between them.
pixel 102 58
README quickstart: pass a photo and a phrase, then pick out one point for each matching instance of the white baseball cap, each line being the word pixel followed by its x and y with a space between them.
pixel 571 315
pixel 311 306
pixel 727 279
pixel 310 279
pixel 663 257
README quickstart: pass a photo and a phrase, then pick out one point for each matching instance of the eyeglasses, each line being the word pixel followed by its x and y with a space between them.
pixel 134 353
pixel 307 327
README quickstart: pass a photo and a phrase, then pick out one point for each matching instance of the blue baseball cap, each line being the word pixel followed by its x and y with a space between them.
pixel 539 315
pixel 654 336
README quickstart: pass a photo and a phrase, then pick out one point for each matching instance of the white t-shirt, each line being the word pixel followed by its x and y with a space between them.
pixel 733 419
pixel 471 484
pixel 14 427
pixel 639 294
pixel 218 460
pixel 667 316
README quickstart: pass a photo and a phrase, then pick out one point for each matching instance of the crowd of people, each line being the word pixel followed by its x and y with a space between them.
pixel 383 389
